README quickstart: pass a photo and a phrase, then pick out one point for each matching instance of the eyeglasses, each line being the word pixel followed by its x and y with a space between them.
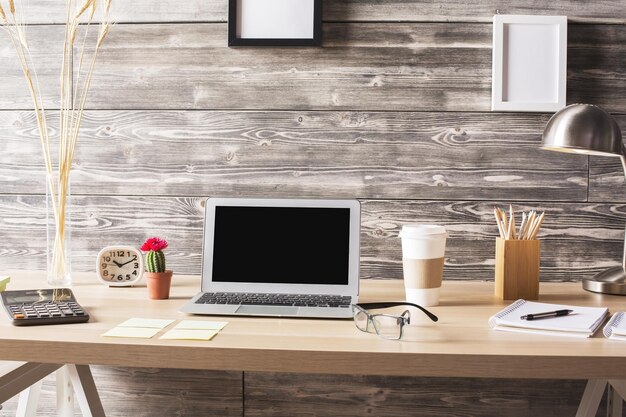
pixel 387 326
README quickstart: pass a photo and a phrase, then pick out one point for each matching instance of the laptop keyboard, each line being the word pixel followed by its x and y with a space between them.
pixel 303 300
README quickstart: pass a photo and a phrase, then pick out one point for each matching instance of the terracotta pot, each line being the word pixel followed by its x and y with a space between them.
pixel 159 284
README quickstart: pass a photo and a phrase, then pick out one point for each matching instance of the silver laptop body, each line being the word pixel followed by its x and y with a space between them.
pixel 279 257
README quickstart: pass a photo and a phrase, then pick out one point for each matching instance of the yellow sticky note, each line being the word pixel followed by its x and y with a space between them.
pixel 191 334
pixel 200 325
pixel 135 332
pixel 150 323
pixel 4 280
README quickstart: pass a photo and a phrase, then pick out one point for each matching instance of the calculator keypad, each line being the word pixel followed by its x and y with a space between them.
pixel 45 310
pixel 43 306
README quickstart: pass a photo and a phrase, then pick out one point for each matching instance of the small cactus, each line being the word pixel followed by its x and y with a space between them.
pixel 155 258
pixel 155 261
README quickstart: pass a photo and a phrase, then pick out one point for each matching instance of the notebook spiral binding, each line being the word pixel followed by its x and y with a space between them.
pixel 511 308
pixel 614 322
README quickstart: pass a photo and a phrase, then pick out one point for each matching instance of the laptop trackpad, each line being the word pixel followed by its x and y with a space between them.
pixel 268 310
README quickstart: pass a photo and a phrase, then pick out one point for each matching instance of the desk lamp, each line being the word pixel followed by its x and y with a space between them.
pixel 587 129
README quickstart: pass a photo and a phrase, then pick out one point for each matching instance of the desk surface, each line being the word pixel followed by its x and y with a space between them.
pixel 460 344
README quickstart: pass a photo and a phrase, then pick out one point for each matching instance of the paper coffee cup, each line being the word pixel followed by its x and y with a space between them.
pixel 423 250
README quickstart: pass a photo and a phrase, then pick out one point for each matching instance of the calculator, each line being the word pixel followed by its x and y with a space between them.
pixel 47 306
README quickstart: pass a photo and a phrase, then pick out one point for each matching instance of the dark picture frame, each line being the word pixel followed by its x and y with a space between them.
pixel 234 39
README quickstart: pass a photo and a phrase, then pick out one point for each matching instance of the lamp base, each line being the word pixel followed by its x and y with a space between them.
pixel 611 281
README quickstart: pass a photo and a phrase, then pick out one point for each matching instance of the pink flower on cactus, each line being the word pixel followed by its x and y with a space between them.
pixel 154 243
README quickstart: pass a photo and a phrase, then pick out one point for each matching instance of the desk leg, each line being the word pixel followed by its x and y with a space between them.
pixel 29 400
pixel 22 376
pixel 65 394
pixel 592 396
pixel 86 391
pixel 613 403
pixel 617 395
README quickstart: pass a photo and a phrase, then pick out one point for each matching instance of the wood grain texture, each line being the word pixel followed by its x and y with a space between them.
pixel 578 240
pixel 426 156
pixel 45 44
pixel 182 66
pixel 350 10
pixel 384 76
pixel 148 392
pixel 135 11
pixel 167 392
pixel 460 344
pixel 458 11
pixel 205 73
pixel 606 175
pixel 271 394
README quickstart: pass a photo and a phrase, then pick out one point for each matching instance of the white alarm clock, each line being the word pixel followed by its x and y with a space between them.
pixel 119 266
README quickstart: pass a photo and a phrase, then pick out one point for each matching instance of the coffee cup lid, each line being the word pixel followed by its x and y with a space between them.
pixel 422 231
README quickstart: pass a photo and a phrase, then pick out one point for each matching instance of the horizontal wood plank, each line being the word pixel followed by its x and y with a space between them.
pixel 425 156
pixel 604 11
pixel 165 392
pixel 271 394
pixel 478 11
pixel 135 11
pixel 406 66
pixel 578 239
pixel 150 392
pixel 402 76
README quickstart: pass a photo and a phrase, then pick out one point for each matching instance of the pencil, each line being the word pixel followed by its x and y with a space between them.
pixel 537 226
pixel 522 226
pixel 505 223
pixel 531 220
pixel 512 221
pixel 500 230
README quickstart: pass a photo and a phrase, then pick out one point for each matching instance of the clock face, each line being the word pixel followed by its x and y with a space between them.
pixel 119 265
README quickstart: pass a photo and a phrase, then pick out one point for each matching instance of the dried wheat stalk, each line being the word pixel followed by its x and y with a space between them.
pixel 79 18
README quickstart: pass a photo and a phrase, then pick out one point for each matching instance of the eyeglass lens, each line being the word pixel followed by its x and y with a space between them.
pixel 360 319
pixel 389 327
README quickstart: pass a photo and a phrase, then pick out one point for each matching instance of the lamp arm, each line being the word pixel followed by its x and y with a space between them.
pixel 624 255
pixel 622 158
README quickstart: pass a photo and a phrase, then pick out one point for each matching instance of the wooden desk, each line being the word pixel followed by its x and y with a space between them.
pixel 460 344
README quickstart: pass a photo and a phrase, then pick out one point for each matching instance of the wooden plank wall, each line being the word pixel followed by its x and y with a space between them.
pixel 393 109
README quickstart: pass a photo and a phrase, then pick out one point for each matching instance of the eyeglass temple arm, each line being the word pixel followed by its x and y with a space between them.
pixel 397 303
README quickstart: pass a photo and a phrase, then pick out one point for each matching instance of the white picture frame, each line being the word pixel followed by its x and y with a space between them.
pixel 529 68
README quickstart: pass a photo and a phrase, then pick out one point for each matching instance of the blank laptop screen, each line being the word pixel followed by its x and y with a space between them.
pixel 282 245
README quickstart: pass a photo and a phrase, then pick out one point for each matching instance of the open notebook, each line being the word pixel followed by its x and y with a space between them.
pixel 583 322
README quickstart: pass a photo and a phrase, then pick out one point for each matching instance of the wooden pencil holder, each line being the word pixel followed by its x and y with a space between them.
pixel 517 269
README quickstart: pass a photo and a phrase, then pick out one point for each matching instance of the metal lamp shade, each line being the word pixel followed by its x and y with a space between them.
pixel 588 129
pixel 583 128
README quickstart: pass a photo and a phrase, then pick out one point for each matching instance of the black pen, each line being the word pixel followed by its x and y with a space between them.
pixel 547 314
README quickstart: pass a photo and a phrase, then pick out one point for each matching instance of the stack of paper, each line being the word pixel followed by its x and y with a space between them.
pixel 582 322
pixel 616 327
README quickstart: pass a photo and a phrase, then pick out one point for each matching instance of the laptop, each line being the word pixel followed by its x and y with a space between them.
pixel 279 257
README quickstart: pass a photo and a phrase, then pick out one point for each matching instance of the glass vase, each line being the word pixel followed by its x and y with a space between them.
pixel 58 213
